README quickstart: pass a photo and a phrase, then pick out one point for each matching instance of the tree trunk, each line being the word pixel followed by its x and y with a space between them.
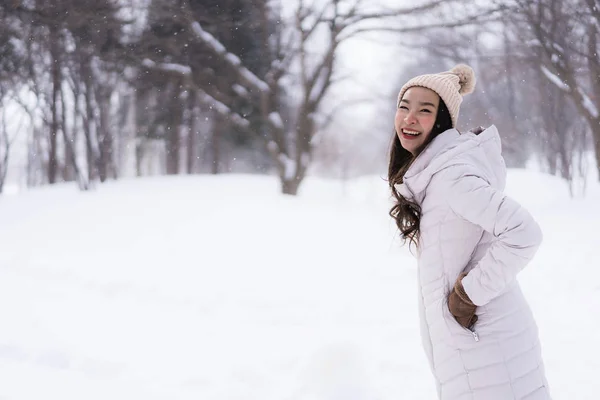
pixel 596 138
pixel 55 60
pixel 174 137
pixel 128 134
pixel 304 133
pixel 192 134
pixel 88 122
pixel 69 170
pixel 139 153
pixel 36 168
pixel 519 153
pixel 105 141
pixel 191 148
pixel 4 152
pixel 290 186
pixel 214 144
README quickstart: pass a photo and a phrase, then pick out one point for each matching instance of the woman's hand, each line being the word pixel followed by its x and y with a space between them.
pixel 461 307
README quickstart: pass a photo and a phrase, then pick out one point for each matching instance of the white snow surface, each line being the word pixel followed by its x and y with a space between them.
pixel 219 287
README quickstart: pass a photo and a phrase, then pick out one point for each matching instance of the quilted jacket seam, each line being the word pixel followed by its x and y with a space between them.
pixel 534 390
pixel 505 364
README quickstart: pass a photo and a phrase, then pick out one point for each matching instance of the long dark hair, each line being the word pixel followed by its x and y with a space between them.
pixel 408 213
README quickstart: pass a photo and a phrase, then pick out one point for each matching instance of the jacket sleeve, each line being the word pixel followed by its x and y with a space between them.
pixel 517 235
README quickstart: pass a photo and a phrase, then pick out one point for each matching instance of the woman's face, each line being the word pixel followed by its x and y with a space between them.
pixel 415 117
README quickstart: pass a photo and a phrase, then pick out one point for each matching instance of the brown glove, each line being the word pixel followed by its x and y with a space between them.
pixel 461 307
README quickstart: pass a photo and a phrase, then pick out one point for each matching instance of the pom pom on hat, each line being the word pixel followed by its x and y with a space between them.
pixel 466 78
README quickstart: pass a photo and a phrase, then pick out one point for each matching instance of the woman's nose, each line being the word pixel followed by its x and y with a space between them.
pixel 410 118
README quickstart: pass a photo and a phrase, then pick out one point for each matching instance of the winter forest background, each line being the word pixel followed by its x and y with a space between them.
pixel 99 90
pixel 193 202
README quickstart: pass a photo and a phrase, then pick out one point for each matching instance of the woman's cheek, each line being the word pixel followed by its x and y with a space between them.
pixel 398 119
pixel 430 122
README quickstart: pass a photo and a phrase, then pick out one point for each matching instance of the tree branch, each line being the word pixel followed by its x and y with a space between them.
pixel 483 17
pixel 244 74
pixel 239 121
pixel 353 17
pixel 186 72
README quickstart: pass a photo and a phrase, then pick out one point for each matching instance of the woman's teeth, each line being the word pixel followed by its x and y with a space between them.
pixel 411 133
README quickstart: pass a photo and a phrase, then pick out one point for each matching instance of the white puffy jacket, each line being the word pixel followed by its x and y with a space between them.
pixel 468 224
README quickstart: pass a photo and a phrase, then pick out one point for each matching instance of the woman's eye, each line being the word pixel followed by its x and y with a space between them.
pixel 426 110
pixel 403 107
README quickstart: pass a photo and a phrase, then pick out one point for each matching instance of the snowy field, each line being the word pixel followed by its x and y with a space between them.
pixel 220 288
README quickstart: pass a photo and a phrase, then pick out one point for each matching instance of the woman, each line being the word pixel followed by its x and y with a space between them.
pixel 478 332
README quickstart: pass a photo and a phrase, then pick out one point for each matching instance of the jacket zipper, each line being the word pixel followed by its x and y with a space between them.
pixel 475 335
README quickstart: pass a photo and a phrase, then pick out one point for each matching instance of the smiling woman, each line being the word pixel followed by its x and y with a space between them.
pixel 415 117
pixel 477 329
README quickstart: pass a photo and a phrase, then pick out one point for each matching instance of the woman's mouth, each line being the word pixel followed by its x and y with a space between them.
pixel 410 134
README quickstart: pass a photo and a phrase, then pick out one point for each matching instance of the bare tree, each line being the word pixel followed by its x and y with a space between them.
pixel 70 45
pixel 566 36
pixel 268 85
pixel 303 55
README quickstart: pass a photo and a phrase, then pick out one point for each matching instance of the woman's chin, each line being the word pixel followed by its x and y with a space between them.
pixel 410 146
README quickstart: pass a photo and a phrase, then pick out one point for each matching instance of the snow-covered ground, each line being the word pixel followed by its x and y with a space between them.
pixel 218 287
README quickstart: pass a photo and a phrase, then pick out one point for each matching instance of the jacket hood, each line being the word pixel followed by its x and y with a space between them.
pixel 449 148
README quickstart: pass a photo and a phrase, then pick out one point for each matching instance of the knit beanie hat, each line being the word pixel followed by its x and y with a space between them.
pixel 451 86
